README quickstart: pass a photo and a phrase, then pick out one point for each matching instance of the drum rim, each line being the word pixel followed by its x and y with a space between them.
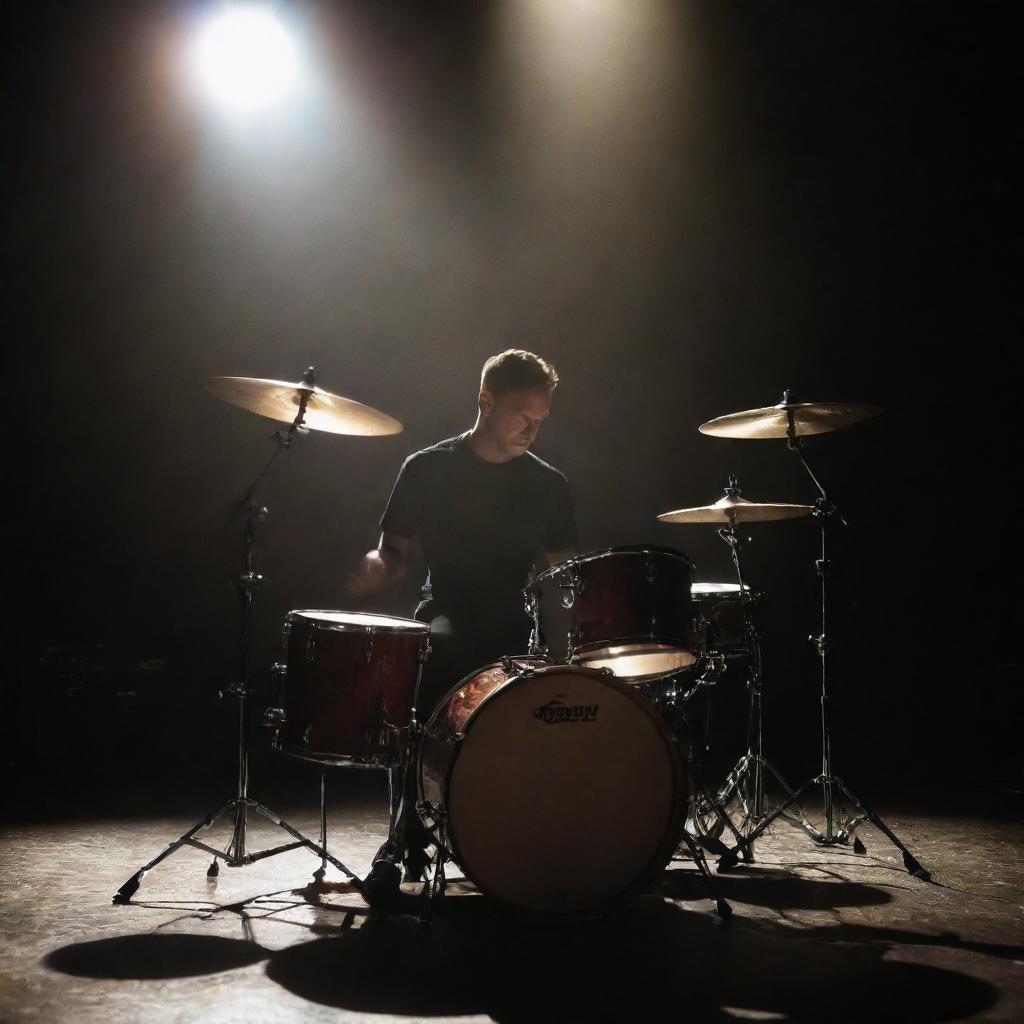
pixel 621 549
pixel 674 825
pixel 731 588
pixel 395 623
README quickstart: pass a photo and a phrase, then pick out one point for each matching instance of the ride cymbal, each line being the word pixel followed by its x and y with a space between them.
pixel 279 400
pixel 774 421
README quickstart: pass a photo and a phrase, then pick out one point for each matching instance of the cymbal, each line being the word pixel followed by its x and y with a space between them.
pixel 734 509
pixel 773 421
pixel 279 400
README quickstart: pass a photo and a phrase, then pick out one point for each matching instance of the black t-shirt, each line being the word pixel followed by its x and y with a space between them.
pixel 481 524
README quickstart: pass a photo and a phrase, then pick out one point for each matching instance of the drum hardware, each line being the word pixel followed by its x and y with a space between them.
pixel 794 421
pixel 537 645
pixel 745 781
pixel 707 816
pixel 435 820
pixel 303 406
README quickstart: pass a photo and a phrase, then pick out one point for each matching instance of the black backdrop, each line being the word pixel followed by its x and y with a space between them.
pixel 686 207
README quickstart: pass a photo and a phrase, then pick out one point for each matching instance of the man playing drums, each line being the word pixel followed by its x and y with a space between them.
pixel 484 507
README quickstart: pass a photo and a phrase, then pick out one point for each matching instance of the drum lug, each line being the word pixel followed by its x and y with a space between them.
pixel 424 652
pixel 311 644
pixel 649 566
pixel 274 718
pixel 570 583
pixel 368 651
pixel 573 640
pixel 286 633
pixel 379 728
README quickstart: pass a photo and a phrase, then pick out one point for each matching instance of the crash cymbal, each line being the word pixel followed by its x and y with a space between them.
pixel 773 421
pixel 734 509
pixel 279 400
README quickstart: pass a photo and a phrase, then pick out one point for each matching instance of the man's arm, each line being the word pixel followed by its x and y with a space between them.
pixel 381 567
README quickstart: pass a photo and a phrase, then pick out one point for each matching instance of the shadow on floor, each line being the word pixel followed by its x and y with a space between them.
pixel 766 887
pixel 154 957
pixel 654 962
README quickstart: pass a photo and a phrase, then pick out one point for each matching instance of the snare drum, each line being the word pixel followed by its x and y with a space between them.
pixel 630 609
pixel 721 623
pixel 561 787
pixel 344 694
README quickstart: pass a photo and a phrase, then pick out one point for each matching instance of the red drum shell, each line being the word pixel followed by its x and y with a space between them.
pixel 348 686
pixel 631 610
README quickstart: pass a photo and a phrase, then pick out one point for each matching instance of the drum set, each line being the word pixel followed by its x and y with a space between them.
pixel 560 785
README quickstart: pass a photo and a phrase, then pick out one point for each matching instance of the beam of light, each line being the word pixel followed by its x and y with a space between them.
pixel 244 58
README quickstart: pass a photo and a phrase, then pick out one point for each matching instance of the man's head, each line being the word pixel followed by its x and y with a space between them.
pixel 515 397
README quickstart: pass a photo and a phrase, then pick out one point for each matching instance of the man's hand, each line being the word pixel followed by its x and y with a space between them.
pixel 379 568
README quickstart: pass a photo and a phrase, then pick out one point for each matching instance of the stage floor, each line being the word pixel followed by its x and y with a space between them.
pixel 816 934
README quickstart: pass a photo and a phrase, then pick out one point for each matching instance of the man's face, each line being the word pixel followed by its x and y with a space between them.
pixel 513 420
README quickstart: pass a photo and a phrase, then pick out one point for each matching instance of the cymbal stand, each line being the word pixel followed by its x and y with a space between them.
pixel 746 781
pixel 235 853
pixel 709 816
pixel 838 828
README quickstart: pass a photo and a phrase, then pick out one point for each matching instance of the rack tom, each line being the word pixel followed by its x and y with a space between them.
pixel 630 609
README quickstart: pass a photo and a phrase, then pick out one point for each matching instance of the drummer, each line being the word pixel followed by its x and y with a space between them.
pixel 484 508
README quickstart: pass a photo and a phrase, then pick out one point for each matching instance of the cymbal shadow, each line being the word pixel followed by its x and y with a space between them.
pixel 778 889
pixel 154 957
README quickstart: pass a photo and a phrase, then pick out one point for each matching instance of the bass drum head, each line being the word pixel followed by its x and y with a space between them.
pixel 566 795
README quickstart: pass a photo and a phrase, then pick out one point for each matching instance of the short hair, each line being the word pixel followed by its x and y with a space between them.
pixel 515 369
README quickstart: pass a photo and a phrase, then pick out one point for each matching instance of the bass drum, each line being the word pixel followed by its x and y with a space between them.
pixel 562 789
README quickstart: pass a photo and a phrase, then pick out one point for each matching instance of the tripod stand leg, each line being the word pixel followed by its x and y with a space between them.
pixel 716 803
pixel 722 907
pixel 321 871
pixel 910 862
pixel 131 887
pixel 301 840
pixel 779 812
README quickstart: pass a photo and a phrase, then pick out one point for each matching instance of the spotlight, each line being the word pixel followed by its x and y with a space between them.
pixel 244 57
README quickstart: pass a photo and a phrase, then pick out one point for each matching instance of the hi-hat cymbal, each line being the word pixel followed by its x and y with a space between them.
pixel 773 421
pixel 733 509
pixel 279 400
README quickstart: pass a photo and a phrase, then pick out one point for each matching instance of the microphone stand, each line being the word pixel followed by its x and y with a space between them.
pixel 838 828
pixel 235 854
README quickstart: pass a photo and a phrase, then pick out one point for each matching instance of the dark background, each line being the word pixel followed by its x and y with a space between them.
pixel 686 207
